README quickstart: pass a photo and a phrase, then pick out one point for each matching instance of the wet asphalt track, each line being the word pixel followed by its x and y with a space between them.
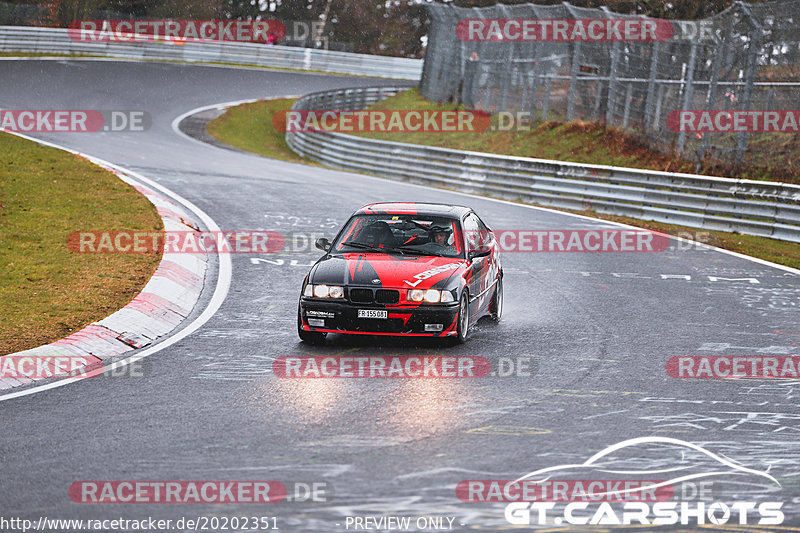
pixel 598 327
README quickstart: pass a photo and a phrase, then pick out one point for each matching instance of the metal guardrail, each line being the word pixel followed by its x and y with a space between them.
pixel 58 41
pixel 751 207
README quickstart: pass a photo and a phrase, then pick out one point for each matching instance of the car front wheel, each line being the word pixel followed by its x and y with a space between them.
pixel 462 324
pixel 496 307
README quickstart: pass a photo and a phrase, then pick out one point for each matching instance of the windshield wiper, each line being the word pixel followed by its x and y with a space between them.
pixel 417 251
pixel 365 246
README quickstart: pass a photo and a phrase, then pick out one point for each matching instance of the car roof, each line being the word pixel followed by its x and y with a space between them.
pixel 414 208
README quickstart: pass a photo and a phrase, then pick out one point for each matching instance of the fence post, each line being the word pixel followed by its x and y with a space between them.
pixel 750 74
pixel 628 98
pixel 573 81
pixel 574 69
pixel 688 92
pixel 651 86
pixel 546 104
pixel 612 82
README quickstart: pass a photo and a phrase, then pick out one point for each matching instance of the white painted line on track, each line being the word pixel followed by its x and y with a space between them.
pixel 177 121
pixel 220 290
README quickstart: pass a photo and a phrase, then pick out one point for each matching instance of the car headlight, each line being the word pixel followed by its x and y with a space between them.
pixel 335 292
pixel 324 291
pixel 432 296
pixel 415 295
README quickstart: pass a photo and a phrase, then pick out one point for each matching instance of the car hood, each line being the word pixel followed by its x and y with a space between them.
pixel 390 271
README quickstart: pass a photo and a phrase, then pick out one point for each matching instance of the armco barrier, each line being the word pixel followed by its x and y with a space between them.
pixel 58 41
pixel 751 207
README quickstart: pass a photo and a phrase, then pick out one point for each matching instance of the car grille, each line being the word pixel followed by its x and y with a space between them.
pixel 387 296
pixel 361 296
pixel 381 296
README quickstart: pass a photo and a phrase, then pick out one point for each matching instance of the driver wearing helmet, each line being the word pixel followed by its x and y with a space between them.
pixel 440 236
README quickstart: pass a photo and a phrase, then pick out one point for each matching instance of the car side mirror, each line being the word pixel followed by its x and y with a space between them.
pixel 323 244
pixel 481 251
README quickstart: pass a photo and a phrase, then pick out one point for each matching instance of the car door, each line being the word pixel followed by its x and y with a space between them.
pixel 490 268
pixel 477 266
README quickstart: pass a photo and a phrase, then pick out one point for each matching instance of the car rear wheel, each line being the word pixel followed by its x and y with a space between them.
pixel 496 307
pixel 462 322
pixel 311 337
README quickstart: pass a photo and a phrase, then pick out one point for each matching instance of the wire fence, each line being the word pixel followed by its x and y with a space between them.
pixel 743 59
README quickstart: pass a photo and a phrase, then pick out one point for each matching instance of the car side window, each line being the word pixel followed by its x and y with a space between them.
pixel 472 232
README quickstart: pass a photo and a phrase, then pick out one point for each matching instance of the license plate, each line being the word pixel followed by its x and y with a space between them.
pixel 372 313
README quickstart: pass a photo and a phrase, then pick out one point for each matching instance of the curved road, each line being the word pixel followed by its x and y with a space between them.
pixel 596 328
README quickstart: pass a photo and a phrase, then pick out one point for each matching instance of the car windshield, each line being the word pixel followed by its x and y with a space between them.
pixel 402 234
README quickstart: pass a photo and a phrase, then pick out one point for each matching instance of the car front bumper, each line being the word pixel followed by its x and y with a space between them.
pixel 342 317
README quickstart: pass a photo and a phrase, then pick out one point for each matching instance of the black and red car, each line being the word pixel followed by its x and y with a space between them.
pixel 408 269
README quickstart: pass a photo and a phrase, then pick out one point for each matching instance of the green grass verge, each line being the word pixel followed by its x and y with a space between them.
pixel 249 127
pixel 47 291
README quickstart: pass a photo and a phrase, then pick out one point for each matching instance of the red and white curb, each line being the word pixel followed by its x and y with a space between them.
pixel 164 302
